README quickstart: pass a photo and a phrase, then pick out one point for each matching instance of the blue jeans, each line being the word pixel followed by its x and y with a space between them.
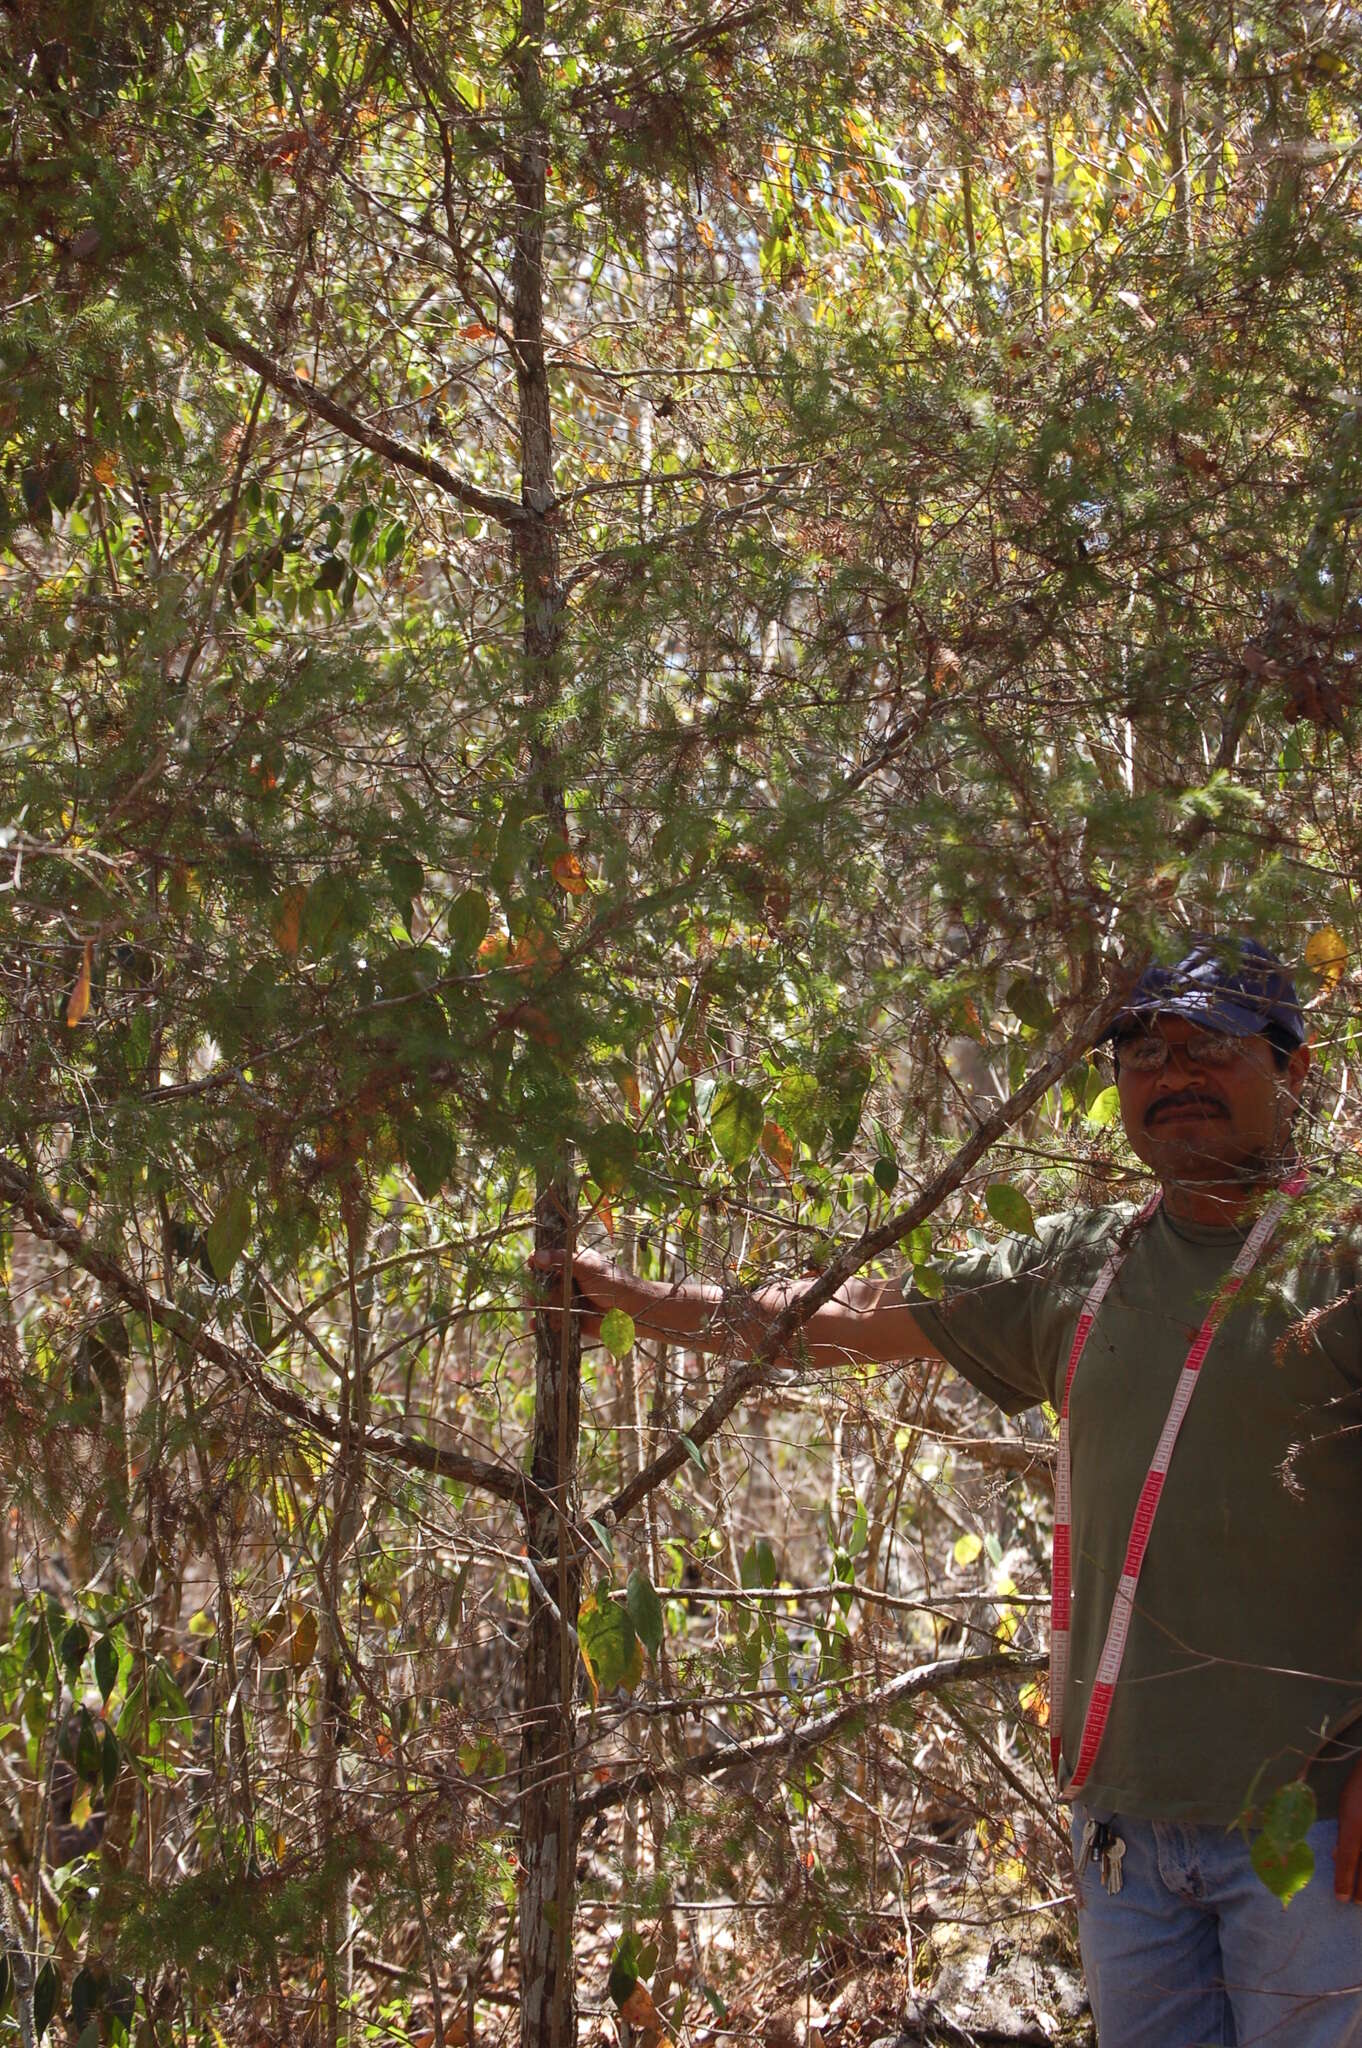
pixel 1195 1950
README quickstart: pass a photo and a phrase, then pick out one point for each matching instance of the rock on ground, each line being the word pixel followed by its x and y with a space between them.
pixel 997 1994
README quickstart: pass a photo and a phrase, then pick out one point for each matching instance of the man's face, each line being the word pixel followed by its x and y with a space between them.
pixel 1191 1122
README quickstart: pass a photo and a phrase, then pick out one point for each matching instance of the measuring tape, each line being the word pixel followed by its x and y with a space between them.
pixel 1061 1583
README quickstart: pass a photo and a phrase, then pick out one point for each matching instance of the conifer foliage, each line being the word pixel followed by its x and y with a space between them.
pixel 611 620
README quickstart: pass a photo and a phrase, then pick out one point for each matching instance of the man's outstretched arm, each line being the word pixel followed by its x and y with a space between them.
pixel 867 1322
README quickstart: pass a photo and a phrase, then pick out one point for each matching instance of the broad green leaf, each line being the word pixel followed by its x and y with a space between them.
pixel 332 913
pixel 799 1104
pixel 262 1332
pixel 227 1233
pixel 406 878
pixel 46 1992
pixel 609 1644
pixel 1027 1000
pixel 736 1118
pixel 844 1074
pixel 85 1996
pixel 617 1332
pixel 885 1174
pixel 645 1610
pixel 1281 1855
pixel 929 1283
pixel 630 1960
pixel 482 1756
pixel 1284 1867
pixel 610 1155
pixel 89 1761
pixel 1104 1108
pixel 430 1153
pixel 106 1665
pixel 468 919
pixel 1008 1205
pixel 74 1643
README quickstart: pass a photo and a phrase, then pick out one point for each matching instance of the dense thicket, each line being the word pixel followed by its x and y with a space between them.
pixel 614 619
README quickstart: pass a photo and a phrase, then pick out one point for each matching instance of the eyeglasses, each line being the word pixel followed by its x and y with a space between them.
pixel 1144 1052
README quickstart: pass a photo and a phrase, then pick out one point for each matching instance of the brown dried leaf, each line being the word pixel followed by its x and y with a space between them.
pixel 288 921
pixel 570 875
pixel 638 2009
pixel 775 1143
pixel 78 1002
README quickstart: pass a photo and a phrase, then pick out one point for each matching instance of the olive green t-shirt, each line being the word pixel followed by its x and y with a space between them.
pixel 1245 1653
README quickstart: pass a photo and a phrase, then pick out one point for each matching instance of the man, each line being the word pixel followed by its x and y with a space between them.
pixel 1208 1621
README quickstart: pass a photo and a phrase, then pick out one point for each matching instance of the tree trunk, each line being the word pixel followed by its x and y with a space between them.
pixel 548 2011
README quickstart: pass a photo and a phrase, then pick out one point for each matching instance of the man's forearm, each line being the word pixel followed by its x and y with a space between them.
pixel 867 1322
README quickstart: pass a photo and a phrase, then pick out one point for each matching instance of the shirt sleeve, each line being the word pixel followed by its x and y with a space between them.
pixel 1003 1318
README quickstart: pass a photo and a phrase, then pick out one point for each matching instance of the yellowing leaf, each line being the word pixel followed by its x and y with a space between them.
pixel 303 1645
pixel 967 1548
pixel 610 1647
pixel 78 1002
pixel 617 1332
pixel 776 1145
pixel 1034 1701
pixel 1103 1110
pixel 269 1634
pixel 288 920
pixel 1326 955
pixel 569 874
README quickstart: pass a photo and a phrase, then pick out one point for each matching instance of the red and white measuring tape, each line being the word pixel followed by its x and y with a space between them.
pixel 1061 1583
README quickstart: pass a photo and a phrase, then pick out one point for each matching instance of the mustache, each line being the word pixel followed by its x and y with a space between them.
pixel 1189 1098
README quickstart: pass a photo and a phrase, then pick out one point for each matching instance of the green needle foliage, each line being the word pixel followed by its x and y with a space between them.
pixel 923 576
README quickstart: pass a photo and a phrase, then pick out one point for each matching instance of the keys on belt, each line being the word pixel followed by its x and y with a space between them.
pixel 1100 1842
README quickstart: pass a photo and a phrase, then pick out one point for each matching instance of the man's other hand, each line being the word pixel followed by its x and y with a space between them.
pixel 598 1285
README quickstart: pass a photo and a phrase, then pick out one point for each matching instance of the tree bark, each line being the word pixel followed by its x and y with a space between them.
pixel 548 2011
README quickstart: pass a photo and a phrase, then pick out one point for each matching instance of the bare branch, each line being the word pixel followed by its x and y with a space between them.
pixel 789 1745
pixel 491 504
pixel 413 1452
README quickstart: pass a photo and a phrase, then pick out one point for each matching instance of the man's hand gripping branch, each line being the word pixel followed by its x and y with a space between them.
pixel 866 1322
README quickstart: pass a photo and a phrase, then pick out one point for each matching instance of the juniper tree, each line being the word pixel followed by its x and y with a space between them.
pixel 589 592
